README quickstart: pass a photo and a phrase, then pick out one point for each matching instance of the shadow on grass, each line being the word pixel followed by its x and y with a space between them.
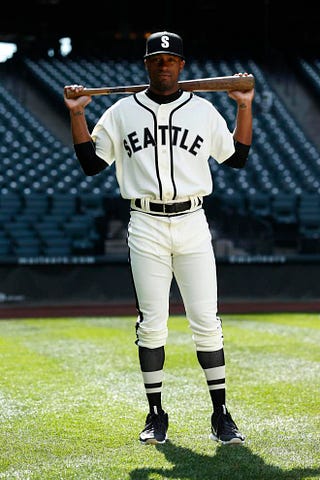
pixel 234 462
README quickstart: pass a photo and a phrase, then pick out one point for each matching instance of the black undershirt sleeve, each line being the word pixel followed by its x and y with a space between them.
pixel 240 156
pixel 90 162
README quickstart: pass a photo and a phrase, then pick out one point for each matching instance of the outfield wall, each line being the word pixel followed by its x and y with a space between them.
pixel 94 281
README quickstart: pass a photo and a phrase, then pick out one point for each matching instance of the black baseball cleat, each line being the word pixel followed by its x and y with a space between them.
pixel 223 428
pixel 155 430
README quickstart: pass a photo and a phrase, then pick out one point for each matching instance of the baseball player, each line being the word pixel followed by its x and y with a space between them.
pixel 161 140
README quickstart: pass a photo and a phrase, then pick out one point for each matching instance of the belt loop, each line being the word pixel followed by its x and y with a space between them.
pixel 145 204
pixel 195 201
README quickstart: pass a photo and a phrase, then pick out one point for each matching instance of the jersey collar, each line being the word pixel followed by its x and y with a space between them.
pixel 163 98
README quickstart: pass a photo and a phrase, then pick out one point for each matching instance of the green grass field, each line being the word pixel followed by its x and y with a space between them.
pixel 72 402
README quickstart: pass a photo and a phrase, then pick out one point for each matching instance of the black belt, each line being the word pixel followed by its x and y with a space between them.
pixel 166 207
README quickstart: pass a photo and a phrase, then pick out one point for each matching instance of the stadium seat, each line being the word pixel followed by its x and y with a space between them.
pixel 24 246
pixel 259 204
pixel 5 246
pixel 17 229
pixel 92 204
pixel 56 245
pixel 63 204
pixel 284 219
pixel 82 233
pixel 284 208
pixel 234 202
pixel 10 203
pixel 36 203
pixel 45 232
pixel 309 232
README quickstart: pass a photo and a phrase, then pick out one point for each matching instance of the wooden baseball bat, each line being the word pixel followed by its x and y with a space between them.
pixel 212 84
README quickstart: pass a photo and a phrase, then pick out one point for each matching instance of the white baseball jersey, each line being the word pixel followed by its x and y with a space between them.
pixel 162 151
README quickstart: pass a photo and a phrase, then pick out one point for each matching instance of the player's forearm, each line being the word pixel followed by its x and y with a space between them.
pixel 243 130
pixel 79 127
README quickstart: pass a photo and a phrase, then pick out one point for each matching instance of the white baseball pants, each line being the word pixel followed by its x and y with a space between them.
pixel 180 245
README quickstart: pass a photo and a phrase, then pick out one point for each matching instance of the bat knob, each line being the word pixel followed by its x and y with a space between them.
pixel 69 92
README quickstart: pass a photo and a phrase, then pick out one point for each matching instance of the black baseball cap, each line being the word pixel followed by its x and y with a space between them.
pixel 164 42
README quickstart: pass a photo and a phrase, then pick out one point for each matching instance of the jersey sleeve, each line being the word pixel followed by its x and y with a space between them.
pixel 102 137
pixel 222 142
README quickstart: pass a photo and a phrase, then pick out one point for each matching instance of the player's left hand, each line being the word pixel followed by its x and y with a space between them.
pixel 240 96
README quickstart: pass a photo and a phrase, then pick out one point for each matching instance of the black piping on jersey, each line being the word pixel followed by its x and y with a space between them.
pixel 171 148
pixel 156 139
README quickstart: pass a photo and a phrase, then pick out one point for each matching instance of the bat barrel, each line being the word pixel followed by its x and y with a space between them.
pixel 227 83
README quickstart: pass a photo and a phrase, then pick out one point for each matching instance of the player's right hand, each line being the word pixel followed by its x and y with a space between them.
pixel 80 101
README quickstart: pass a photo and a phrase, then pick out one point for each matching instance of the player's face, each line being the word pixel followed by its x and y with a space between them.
pixel 164 71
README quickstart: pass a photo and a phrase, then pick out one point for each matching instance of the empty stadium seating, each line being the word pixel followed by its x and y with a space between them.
pixel 44 190
pixel 310 70
pixel 53 224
